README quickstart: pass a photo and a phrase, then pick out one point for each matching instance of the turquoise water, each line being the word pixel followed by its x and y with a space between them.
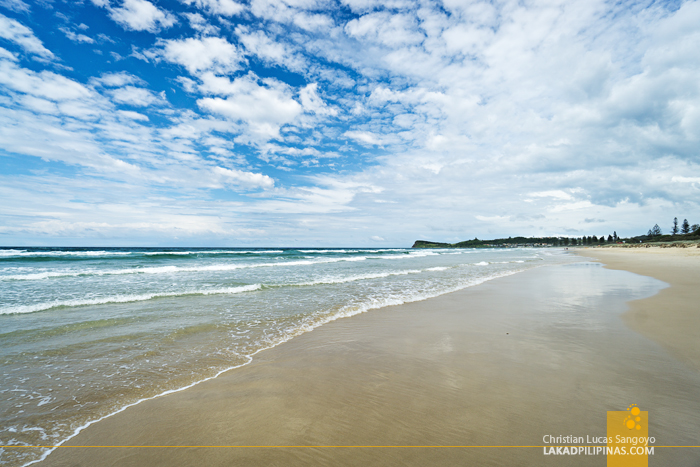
pixel 86 332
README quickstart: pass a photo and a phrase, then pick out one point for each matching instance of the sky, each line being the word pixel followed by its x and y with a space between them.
pixel 345 122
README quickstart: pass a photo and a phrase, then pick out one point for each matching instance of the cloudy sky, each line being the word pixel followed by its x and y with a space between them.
pixel 345 122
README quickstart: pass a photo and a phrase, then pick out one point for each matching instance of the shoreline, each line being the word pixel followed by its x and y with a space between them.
pixel 671 317
pixel 331 319
pixel 265 383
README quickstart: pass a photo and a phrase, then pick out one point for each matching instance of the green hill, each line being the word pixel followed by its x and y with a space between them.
pixel 499 242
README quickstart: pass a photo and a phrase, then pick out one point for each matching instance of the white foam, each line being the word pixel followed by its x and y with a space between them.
pixel 173 269
pixel 303 328
pixel 124 299
pixel 25 253
pixel 210 252
pixel 322 251
pixel 343 280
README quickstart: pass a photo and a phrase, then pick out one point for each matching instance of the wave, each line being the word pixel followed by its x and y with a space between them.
pixel 207 252
pixel 218 291
pixel 19 254
pixel 343 280
pixel 322 251
pixel 172 269
pixel 124 299
pixel 25 253
pixel 315 322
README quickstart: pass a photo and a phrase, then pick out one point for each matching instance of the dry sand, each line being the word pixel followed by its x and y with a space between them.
pixel 500 364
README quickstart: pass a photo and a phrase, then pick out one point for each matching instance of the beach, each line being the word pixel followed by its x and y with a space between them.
pixel 670 317
pixel 465 378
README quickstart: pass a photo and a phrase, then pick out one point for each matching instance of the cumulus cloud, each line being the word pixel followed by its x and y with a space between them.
pixel 131 95
pixel 217 7
pixel 213 54
pixel 386 28
pixel 246 179
pixel 142 15
pixel 13 31
pixel 312 102
pixel 15 5
pixel 45 84
pixel 118 79
pixel 265 105
pixel 303 14
pixel 269 51
pixel 77 37
pixel 451 119
pixel 364 137
pixel 198 23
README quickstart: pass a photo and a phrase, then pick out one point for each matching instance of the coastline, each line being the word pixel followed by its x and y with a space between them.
pixel 465 368
pixel 671 317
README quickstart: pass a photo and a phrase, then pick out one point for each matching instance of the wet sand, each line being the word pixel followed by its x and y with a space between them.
pixel 500 364
pixel 672 317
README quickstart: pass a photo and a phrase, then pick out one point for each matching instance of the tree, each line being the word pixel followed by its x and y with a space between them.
pixel 674 230
pixel 695 228
pixel 656 231
pixel 610 239
pixel 615 237
pixel 685 228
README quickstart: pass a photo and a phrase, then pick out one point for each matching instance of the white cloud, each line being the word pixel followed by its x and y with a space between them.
pixel 142 15
pixel 77 37
pixel 541 114
pixel 131 95
pixel 119 79
pixel 364 137
pixel 133 115
pixel 297 12
pixel 265 108
pixel 271 52
pixel 198 23
pixel 686 179
pixel 386 29
pixel 556 194
pixel 7 55
pixel 15 5
pixel 14 31
pixel 213 54
pixel 246 179
pixel 218 7
pixel 493 218
pixel 312 102
pixel 45 84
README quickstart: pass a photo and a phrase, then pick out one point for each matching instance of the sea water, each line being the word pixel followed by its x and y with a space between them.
pixel 85 332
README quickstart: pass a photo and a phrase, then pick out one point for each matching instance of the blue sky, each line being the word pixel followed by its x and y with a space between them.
pixel 345 122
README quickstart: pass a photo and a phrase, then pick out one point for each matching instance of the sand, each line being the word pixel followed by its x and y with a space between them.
pixel 500 364
pixel 672 317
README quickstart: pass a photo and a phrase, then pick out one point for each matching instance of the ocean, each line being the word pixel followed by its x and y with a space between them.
pixel 86 332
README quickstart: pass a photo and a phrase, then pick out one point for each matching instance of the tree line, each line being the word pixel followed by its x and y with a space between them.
pixel 685 229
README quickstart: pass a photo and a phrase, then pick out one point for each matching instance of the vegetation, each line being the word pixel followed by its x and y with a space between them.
pixel 685 228
pixel 686 232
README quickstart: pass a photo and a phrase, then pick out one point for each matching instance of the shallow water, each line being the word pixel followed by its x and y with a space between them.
pixel 85 332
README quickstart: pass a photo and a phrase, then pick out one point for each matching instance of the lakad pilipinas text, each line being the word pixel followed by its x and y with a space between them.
pixel 627 443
